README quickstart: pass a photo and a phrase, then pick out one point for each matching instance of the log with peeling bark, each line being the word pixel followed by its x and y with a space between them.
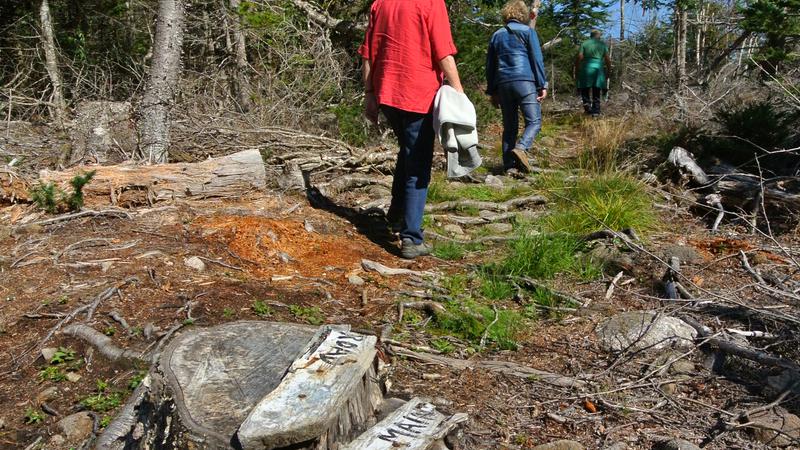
pixel 130 185
pixel 13 187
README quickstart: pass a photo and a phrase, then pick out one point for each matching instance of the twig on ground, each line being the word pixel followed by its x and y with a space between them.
pixel 372 266
pixel 489 327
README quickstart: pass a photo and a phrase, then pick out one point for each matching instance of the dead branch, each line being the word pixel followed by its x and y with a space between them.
pixel 704 333
pixel 372 266
pixel 491 206
pixel 481 240
pixel 505 367
pixel 112 212
pixel 120 320
pixel 103 344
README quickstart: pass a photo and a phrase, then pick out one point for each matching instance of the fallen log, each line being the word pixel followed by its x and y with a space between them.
pixel 515 203
pixel 130 185
pixel 12 186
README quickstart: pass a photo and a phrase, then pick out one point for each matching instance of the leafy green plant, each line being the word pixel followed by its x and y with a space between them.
pixel 310 314
pixel 63 355
pixel 52 373
pixel 261 309
pixel 104 400
pixel 33 416
pixel 105 421
pixel 109 331
pixel 136 379
pixel 227 313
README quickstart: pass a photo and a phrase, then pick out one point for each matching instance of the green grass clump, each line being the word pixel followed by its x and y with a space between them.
pixel 615 202
pixel 260 308
pixel 449 251
pixel 541 255
pixel 495 288
pixel 469 319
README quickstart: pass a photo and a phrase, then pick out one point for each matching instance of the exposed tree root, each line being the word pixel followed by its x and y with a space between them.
pixel 103 343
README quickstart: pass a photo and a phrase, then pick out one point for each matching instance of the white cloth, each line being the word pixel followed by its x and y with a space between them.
pixel 454 121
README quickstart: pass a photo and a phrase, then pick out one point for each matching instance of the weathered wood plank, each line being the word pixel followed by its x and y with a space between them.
pixel 330 386
pixel 414 426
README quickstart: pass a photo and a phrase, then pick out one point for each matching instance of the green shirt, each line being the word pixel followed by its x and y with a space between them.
pixel 592 73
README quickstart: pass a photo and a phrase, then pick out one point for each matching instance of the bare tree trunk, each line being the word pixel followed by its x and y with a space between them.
pixel 621 20
pixel 681 17
pixel 162 83
pixel 58 110
pixel 243 88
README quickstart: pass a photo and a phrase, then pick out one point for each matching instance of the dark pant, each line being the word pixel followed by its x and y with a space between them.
pixel 591 106
pixel 516 96
pixel 414 132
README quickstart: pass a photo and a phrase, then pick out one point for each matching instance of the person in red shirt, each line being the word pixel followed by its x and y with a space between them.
pixel 408 52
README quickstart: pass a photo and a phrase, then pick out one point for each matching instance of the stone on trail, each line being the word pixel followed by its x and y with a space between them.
pixel 675 444
pixel 47 395
pixel 355 280
pixel 48 353
pixel 195 263
pixel 776 428
pixel 76 427
pixel 454 229
pixel 72 377
pixel 493 181
pixel 500 228
pixel 644 330
pixel 564 444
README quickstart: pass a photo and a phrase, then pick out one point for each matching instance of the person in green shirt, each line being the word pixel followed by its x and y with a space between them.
pixel 590 73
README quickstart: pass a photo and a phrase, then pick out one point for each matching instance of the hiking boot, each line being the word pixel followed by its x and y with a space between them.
pixel 410 250
pixel 522 159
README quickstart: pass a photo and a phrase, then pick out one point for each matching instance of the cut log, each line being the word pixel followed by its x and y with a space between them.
pixel 252 385
pixel 130 185
pixel 12 186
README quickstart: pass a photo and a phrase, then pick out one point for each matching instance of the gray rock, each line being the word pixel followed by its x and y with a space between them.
pixel 766 423
pixel 47 395
pixel 500 228
pixel 563 444
pixel 2 423
pixel 57 441
pixel 195 263
pixel 613 260
pixel 617 446
pixel 355 280
pixel 685 253
pixel 453 229
pixel 73 377
pixel 76 427
pixel 675 444
pixel 682 367
pixel 640 330
pixel 493 181
pixel 48 353
pixel 308 226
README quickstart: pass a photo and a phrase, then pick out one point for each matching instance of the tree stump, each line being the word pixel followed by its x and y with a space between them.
pixel 253 385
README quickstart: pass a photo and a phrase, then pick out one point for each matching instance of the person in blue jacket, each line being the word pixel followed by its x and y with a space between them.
pixel 516 81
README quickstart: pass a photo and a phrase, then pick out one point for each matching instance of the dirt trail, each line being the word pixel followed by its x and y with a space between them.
pixel 274 257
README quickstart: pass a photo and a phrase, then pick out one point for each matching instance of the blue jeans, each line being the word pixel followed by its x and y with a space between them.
pixel 516 96
pixel 412 174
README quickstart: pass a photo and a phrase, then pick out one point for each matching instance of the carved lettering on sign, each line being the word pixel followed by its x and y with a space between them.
pixel 410 425
pixel 345 344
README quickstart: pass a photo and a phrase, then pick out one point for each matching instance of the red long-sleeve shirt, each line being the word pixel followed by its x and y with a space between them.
pixel 404 43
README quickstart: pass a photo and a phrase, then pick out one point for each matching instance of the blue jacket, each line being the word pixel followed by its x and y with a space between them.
pixel 515 56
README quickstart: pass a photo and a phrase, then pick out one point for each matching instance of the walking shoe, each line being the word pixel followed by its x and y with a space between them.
pixel 522 159
pixel 410 250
